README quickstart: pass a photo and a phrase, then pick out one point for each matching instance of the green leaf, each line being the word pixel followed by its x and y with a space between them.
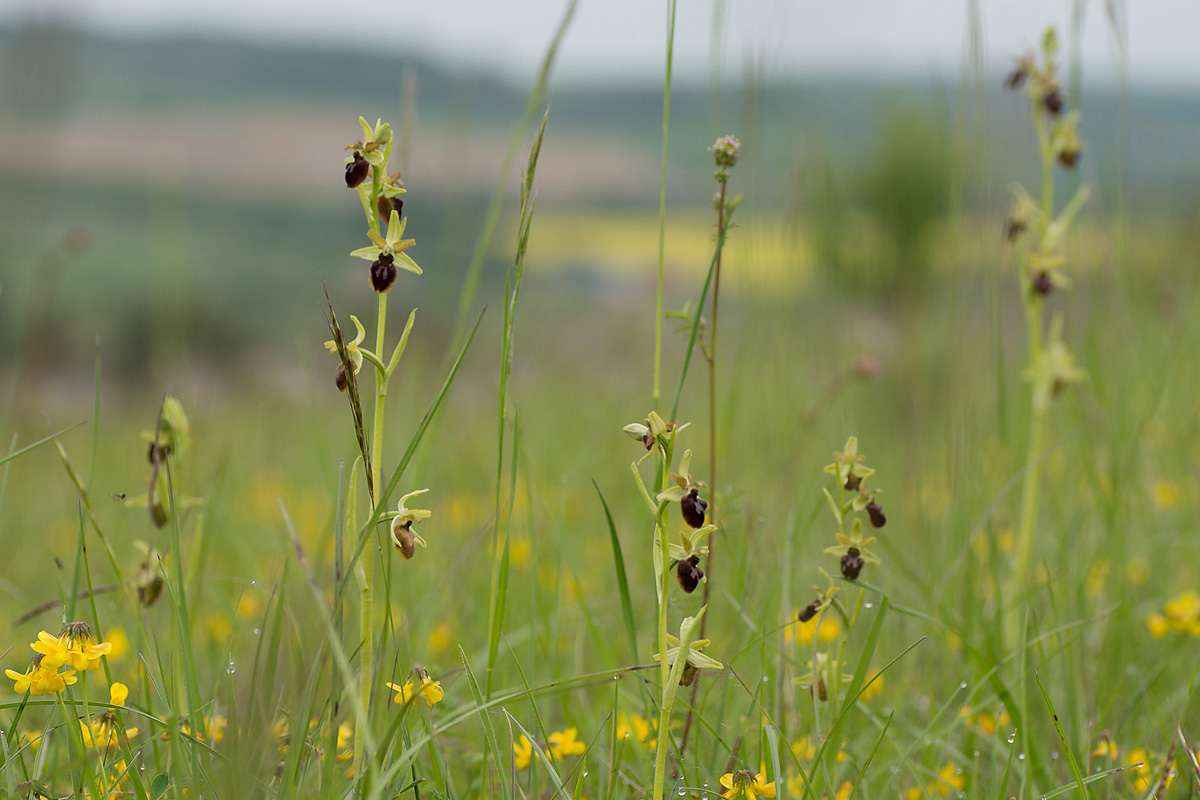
pixel 159 786
pixel 622 580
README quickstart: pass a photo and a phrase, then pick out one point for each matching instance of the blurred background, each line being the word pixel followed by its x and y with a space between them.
pixel 170 174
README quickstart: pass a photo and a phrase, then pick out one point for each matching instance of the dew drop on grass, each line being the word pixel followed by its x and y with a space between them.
pixel 765 679
pixel 868 605
pixel 232 668
pixel 1054 755
pixel 975 754
pixel 256 631
pixel 962 685
pixel 1020 756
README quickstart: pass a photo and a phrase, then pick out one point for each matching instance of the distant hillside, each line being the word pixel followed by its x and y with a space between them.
pixel 206 176
pixel 51 70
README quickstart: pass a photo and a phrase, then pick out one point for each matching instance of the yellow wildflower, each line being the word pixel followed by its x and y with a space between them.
pixel 249 606
pixel 949 780
pixel 430 690
pixel 1145 776
pixel 872 688
pixel 220 628
pixel 119 641
pixel 345 735
pixel 632 726
pixel 522 752
pixel 440 639
pixel 805 749
pixel 1138 571
pixel 72 646
pixel 825 627
pixel 1165 495
pixel 214 728
pixel 1141 776
pixel 117 694
pixel 38 679
pixel 1182 614
pixel 1097 577
pixel 104 731
pixel 746 784
pixel 1106 748
pixel 565 744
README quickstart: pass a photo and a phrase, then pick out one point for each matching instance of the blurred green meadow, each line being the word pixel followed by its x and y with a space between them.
pixel 170 213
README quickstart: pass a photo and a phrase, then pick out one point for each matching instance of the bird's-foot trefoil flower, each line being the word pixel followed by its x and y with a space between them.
pixel 522 752
pixel 746 784
pixel 73 646
pixel 428 689
pixel 564 743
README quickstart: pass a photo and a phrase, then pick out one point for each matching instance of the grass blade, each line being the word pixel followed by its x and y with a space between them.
pixel 536 97
pixel 1062 738
pixel 622 580
pixel 488 729
pixel 15 453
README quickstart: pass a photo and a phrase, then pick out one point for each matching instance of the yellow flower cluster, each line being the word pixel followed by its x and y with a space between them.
pixel 72 648
pixel 316 733
pixel 214 729
pixel 1148 768
pixel 986 721
pixel 633 727
pixel 825 627
pixel 104 730
pixel 560 744
pixel 805 750
pixel 948 781
pixel 1181 615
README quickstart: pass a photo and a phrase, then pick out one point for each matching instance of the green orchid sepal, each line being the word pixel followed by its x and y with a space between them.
pixel 391 245
pixel 694 657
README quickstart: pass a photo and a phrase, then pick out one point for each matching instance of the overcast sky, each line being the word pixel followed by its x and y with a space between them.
pixel 624 39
